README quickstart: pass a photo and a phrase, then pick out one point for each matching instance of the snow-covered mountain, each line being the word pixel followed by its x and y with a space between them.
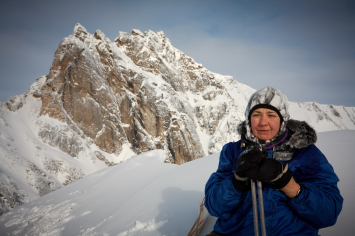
pixel 156 198
pixel 104 102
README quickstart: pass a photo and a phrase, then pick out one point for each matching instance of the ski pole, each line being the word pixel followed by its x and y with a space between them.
pixel 261 206
pixel 255 208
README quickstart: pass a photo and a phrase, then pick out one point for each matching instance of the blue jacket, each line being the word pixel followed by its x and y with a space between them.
pixel 318 205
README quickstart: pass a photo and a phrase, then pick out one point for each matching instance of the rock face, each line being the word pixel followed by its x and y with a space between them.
pixel 133 91
pixel 103 102
pixel 11 195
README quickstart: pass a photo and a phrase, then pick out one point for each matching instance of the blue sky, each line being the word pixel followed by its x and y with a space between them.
pixel 306 48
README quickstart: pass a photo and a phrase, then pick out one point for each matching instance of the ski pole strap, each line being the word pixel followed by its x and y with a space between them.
pixel 285 168
pixel 240 178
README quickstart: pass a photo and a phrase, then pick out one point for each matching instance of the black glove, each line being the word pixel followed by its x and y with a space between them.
pixel 272 171
pixel 249 159
pixel 241 186
pixel 246 160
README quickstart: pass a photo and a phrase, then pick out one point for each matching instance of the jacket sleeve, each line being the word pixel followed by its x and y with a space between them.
pixel 320 201
pixel 221 198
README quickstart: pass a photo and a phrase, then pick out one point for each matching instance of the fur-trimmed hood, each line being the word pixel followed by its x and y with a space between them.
pixel 270 98
pixel 300 135
pixel 303 134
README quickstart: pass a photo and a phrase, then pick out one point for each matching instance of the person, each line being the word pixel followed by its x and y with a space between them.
pixel 299 186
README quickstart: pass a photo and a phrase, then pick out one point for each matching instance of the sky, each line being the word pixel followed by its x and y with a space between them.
pixel 304 48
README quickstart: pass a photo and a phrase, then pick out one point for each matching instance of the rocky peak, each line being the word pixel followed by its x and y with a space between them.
pixel 137 32
pixel 93 88
pixel 80 32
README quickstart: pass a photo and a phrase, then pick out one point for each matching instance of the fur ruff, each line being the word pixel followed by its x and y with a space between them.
pixel 301 135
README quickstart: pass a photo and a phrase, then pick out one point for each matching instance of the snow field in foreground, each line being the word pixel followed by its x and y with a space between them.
pixel 144 196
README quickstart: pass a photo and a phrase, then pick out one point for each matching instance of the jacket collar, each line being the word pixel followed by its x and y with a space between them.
pixel 300 135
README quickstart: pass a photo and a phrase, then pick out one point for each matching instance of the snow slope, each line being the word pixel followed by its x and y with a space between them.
pixel 144 196
pixel 33 165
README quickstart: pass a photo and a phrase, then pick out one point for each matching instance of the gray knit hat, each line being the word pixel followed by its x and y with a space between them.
pixel 270 98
